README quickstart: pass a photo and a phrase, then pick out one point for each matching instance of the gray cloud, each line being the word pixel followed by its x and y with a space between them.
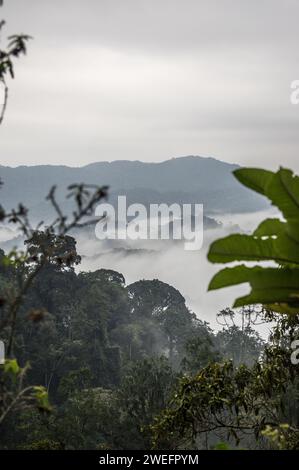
pixel 149 80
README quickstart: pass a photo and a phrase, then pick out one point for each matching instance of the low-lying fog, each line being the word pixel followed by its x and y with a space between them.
pixel 188 271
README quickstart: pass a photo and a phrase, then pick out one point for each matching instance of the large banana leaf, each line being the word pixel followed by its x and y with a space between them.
pixel 274 240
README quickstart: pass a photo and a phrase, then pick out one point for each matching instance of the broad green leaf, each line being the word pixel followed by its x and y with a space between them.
pixel 268 284
pixel 270 227
pixel 286 279
pixel 269 297
pixel 254 178
pixel 233 276
pixel 283 191
pixel 292 229
pixel 238 247
pixel 273 240
pixel 272 285
pixel 286 250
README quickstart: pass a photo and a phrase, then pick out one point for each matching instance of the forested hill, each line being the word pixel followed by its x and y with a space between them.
pixel 108 354
pixel 189 179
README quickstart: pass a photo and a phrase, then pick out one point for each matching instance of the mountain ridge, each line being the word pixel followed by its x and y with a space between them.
pixel 190 179
pixel 182 157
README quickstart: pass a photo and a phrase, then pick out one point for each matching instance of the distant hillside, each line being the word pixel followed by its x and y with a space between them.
pixel 184 180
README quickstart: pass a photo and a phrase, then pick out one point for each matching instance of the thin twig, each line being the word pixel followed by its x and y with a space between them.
pixel 4 105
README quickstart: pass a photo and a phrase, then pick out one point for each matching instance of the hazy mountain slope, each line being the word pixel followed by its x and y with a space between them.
pixel 185 179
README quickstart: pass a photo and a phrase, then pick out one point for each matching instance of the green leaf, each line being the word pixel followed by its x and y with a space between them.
pixel 221 446
pixel 292 229
pixel 254 178
pixel 272 285
pixel 286 250
pixel 238 247
pixel 269 285
pixel 42 398
pixel 233 276
pixel 270 227
pixel 283 191
pixel 11 366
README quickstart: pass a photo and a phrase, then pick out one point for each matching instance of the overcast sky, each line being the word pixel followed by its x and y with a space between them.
pixel 153 79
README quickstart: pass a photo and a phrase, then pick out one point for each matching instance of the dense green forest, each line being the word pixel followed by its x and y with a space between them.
pixel 115 358
pixel 109 355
